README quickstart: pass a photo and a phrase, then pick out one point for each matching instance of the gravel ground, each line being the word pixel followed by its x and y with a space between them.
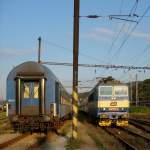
pixel 90 138
pixel 24 143
pixel 58 143
pixel 87 142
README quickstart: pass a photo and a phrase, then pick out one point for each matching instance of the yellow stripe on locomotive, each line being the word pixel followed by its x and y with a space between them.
pixel 113 104
pixel 113 112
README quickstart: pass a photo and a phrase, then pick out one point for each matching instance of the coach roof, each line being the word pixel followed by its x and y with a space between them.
pixel 31 68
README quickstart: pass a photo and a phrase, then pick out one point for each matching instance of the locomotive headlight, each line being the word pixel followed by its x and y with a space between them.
pixel 103 116
pixel 125 116
pixel 122 108
pixel 104 108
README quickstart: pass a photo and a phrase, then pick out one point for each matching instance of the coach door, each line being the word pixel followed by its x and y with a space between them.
pixel 30 98
pixel 30 95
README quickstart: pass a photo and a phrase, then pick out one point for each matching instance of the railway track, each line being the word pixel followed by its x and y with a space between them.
pixel 38 143
pixel 12 141
pixel 140 125
pixel 135 133
pixel 126 144
pixel 144 122
pixel 37 140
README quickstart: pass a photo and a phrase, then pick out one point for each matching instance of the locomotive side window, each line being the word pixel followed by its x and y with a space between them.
pixel 105 90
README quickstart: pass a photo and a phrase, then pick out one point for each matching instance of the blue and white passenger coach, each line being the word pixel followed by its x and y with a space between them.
pixel 36 97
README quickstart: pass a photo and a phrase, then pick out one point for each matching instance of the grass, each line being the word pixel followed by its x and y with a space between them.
pixel 140 109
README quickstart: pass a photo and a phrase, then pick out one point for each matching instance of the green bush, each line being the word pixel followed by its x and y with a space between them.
pixel 140 109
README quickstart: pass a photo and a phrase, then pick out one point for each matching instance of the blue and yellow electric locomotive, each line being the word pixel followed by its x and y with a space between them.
pixel 108 103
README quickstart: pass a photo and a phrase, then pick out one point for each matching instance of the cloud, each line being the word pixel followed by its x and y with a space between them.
pixel 107 34
pixel 14 52
pixel 104 31
pixel 99 34
pixel 145 36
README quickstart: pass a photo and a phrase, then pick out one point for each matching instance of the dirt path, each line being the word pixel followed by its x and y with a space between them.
pixel 60 142
pixel 87 142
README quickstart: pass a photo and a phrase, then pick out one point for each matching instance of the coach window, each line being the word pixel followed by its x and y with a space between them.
pixel 31 90
pixel 57 96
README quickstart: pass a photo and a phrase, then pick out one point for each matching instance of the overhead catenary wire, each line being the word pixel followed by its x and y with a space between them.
pixel 131 31
pixel 99 66
pixel 93 16
pixel 70 51
pixel 140 55
pixel 123 26
pixel 131 14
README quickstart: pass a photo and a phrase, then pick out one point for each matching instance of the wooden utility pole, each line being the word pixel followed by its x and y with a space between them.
pixel 39 49
pixel 137 99
pixel 75 69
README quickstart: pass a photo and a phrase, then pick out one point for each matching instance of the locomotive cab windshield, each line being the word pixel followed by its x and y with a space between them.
pixel 105 91
pixel 113 91
pixel 121 91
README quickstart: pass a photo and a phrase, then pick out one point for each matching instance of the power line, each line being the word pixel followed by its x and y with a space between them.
pixel 132 11
pixel 85 87
pixel 140 55
pixel 99 66
pixel 122 44
pixel 118 34
pixel 70 51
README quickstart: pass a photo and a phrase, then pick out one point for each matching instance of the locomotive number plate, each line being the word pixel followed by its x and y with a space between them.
pixel 113 109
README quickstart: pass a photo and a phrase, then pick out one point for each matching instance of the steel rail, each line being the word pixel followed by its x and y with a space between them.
pixel 138 125
pixel 144 122
pixel 134 133
pixel 12 141
pixel 127 145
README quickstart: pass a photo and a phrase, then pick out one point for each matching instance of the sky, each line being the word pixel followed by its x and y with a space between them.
pixel 100 40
